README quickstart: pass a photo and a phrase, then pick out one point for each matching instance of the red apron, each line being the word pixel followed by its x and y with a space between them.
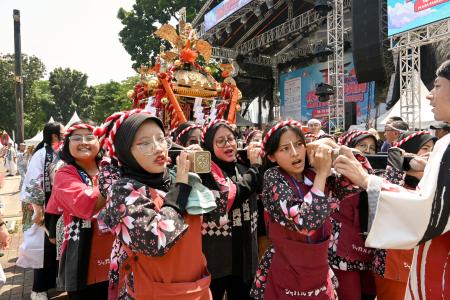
pixel 100 255
pixel 180 274
pixel 350 245
pixel 298 270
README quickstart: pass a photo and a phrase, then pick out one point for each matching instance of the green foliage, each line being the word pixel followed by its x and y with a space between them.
pixel 70 93
pixel 145 17
pixel 112 97
pixel 33 69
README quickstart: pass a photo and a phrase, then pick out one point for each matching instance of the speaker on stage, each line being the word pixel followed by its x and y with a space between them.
pixel 371 57
pixel 350 114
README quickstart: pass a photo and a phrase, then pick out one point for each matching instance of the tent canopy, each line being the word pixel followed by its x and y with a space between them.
pixel 40 135
pixel 427 117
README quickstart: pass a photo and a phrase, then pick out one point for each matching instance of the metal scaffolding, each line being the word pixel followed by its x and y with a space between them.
pixel 335 38
pixel 407 45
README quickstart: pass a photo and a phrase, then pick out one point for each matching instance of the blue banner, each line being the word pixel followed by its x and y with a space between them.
pixel 298 99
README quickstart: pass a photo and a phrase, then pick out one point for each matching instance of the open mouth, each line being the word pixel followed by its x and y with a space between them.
pixel 228 152
pixel 160 160
pixel 297 163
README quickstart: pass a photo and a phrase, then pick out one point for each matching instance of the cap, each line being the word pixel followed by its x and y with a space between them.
pixel 440 125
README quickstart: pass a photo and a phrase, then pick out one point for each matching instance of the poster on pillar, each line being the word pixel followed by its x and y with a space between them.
pixel 298 99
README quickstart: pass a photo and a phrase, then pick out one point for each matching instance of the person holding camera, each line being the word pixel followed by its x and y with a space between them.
pixel 229 232
pixel 400 218
pixel 158 249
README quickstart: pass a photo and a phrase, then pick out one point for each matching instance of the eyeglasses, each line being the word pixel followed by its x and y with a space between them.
pixel 150 147
pixel 77 138
pixel 222 141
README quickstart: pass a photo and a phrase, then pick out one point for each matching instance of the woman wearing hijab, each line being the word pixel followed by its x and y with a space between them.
pixel 391 267
pixel 350 259
pixel 229 232
pixel 157 253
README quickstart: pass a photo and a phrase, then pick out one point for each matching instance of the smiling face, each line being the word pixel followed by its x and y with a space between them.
pixel 83 145
pixel 224 143
pixel 440 99
pixel 291 153
pixel 149 147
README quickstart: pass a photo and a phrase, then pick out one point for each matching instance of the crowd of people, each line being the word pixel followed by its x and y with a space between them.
pixel 289 216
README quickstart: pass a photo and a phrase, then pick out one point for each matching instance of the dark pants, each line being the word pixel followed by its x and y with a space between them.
pixel 235 287
pixel 45 278
pixel 98 291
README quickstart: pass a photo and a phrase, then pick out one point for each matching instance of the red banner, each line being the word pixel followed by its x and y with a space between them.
pixel 425 4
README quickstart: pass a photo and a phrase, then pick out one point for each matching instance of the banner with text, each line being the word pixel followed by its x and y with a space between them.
pixel 298 99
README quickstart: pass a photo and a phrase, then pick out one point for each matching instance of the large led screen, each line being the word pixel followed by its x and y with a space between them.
pixel 222 11
pixel 404 15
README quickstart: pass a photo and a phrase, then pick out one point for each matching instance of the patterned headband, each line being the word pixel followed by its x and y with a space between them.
pixel 207 127
pixel 72 128
pixel 106 137
pixel 184 131
pixel 274 129
pixel 409 137
pixel 346 138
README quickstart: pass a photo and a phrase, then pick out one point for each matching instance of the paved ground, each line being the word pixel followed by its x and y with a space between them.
pixel 18 281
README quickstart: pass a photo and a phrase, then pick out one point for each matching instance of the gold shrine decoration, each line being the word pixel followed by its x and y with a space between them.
pixel 173 100
pixel 168 33
pixel 232 113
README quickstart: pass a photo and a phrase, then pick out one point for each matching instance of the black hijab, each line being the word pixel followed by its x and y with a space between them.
pixel 130 167
pixel 228 167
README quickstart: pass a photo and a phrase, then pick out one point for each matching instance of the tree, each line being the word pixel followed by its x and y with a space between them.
pixel 145 17
pixel 33 69
pixel 40 107
pixel 112 97
pixel 70 93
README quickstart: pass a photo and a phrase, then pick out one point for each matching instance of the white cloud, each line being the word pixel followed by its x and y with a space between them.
pixel 403 14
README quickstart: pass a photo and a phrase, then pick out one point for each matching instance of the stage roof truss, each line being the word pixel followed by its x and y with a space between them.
pixel 407 45
pixel 335 38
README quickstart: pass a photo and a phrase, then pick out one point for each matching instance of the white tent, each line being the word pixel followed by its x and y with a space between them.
pixel 38 137
pixel 427 117
pixel 75 118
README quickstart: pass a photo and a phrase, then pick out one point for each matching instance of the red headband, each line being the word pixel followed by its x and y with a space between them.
pixel 106 137
pixel 207 127
pixel 184 131
pixel 349 136
pixel 274 129
pixel 72 128
pixel 409 137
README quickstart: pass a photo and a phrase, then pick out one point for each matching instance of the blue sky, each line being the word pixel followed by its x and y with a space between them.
pixel 402 16
pixel 79 34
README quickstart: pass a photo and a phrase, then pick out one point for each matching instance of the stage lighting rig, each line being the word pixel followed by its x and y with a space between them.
pixel 322 52
pixel 323 7
pixel 269 4
pixel 324 91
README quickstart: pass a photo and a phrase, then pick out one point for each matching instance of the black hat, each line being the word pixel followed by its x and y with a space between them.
pixel 440 125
